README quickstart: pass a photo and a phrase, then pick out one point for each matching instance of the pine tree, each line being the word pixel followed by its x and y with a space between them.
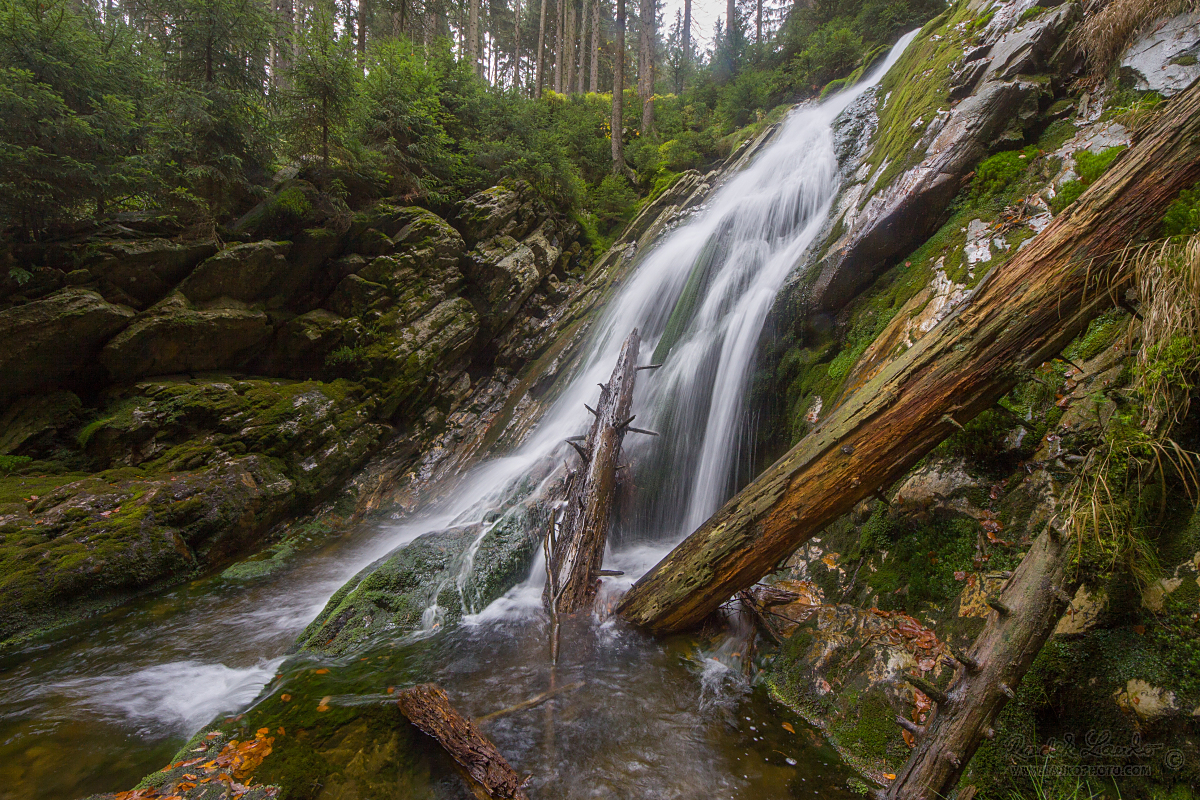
pixel 323 81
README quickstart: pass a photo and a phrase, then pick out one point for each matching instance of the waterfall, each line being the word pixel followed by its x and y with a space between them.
pixel 700 296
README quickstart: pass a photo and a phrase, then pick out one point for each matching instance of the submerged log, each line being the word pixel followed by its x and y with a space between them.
pixel 577 549
pixel 483 769
pixel 1022 314
pixel 1001 656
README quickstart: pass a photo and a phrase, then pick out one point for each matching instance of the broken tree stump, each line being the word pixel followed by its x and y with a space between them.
pixel 1020 315
pixel 483 769
pixel 1035 595
pixel 577 549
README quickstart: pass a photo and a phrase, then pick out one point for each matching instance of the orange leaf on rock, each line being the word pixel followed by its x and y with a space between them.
pixel 787 726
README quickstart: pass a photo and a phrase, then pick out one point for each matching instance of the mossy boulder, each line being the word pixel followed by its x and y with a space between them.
pixel 177 336
pixel 301 347
pixel 244 272
pixel 51 341
pixel 140 273
pixel 504 272
pixel 31 420
pixel 447 573
pixel 511 210
pixel 89 544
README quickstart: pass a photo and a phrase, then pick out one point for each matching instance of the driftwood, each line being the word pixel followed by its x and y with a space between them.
pixel 484 770
pixel 577 550
pixel 1033 600
pixel 1021 315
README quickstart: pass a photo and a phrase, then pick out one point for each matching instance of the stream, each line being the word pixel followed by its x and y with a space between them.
pixel 96 707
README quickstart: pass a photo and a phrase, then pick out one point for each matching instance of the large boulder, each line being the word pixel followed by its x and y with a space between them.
pixel 90 544
pixel 1166 59
pixel 504 210
pixel 30 421
pixel 49 341
pixel 302 346
pixel 176 336
pixel 435 579
pixel 505 272
pixel 244 272
pixel 139 273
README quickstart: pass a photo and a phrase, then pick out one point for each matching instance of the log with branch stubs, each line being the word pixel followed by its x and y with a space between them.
pixel 1022 314
pixel 576 551
pixel 486 773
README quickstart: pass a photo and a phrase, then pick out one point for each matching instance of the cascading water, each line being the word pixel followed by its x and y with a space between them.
pixel 102 707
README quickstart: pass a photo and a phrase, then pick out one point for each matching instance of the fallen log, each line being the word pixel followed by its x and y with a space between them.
pixel 536 700
pixel 577 548
pixel 484 770
pixel 1036 596
pixel 1020 315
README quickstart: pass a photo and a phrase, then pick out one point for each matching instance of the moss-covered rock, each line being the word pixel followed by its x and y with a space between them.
pixel 88 544
pixel 244 272
pixel 176 336
pixel 139 273
pixel 54 340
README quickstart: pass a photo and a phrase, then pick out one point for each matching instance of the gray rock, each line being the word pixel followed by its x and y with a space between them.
pixel 302 344
pixel 354 295
pixel 502 210
pixel 1165 59
pixel 139 273
pixel 176 336
pixel 1027 49
pixel 244 272
pixel 33 417
pixel 48 341
pixel 506 272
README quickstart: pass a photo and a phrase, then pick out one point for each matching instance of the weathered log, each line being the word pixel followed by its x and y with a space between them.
pixel 578 546
pixel 1019 316
pixel 1001 656
pixel 484 770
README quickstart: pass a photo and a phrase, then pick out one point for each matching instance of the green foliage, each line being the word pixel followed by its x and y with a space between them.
pixel 323 85
pixel 10 464
pixel 1090 166
pixel 833 50
pixel 614 199
pixel 1067 193
pixel 996 173
pixel 1183 216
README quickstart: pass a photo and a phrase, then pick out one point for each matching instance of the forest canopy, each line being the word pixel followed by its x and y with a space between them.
pixel 191 109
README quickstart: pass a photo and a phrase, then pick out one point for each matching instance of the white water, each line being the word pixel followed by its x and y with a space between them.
pixel 163 670
pixel 757 225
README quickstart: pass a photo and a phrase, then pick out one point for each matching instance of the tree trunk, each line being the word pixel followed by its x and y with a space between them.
pixel 364 13
pixel 517 46
pixel 559 11
pixel 581 49
pixel 594 79
pixel 539 61
pixel 569 46
pixel 577 551
pixel 618 149
pixel 1026 612
pixel 758 23
pixel 687 34
pixel 1020 315
pixel 484 770
pixel 730 25
pixel 471 50
pixel 646 78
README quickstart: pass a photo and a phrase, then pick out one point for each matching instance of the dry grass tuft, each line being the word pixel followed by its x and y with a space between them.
pixel 1107 507
pixel 1104 34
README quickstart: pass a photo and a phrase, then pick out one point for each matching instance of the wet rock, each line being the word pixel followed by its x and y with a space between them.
pixel 902 214
pixel 50 341
pixel 1165 59
pixel 176 336
pixel 139 273
pixel 1027 49
pixel 244 272
pixel 423 578
pixel 92 543
pixel 354 295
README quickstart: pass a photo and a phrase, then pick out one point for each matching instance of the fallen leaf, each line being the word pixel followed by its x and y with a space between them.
pixel 891 776
pixel 787 726
pixel 321 671
pixel 287 698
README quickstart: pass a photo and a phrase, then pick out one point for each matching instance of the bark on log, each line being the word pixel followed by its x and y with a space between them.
pixel 485 771
pixel 1021 315
pixel 1002 655
pixel 578 548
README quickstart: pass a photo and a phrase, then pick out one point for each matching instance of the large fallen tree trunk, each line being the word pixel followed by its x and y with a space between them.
pixel 577 550
pixel 483 769
pixel 1023 617
pixel 1020 315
